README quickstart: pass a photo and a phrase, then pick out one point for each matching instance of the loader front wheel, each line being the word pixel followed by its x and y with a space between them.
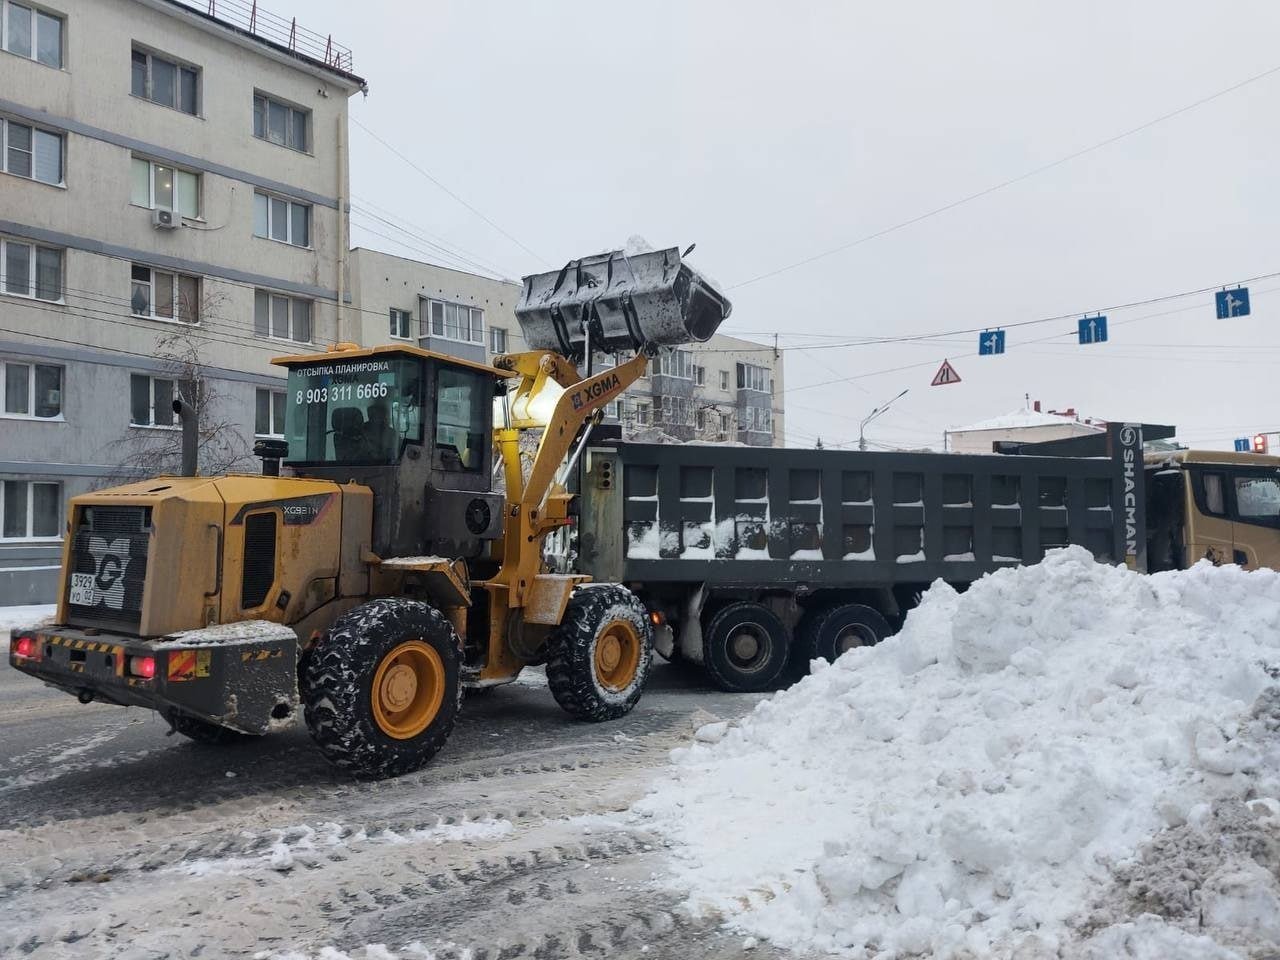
pixel 382 687
pixel 598 658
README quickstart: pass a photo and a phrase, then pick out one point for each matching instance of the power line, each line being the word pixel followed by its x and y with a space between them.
pixel 458 253
pixel 1010 182
pixel 432 178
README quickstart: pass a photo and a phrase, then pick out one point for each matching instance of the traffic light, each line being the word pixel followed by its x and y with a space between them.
pixel 1259 443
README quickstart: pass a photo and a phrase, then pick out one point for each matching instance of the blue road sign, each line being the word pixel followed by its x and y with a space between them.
pixel 1232 303
pixel 1093 329
pixel 1242 445
pixel 990 342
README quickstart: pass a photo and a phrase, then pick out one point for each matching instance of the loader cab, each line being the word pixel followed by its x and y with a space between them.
pixel 413 425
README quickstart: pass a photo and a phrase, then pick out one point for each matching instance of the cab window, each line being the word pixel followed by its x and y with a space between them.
pixel 1257 498
pixel 353 411
pixel 1214 502
pixel 461 403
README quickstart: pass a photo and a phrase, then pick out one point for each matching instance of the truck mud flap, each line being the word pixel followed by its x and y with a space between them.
pixel 629 301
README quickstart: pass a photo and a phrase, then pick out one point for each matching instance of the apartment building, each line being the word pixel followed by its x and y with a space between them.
pixel 450 311
pixel 172 194
pixel 727 389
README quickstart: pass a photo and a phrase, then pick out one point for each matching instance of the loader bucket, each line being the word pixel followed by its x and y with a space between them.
pixel 627 303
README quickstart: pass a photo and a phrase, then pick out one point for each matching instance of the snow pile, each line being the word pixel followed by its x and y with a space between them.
pixel 28 615
pixel 980 784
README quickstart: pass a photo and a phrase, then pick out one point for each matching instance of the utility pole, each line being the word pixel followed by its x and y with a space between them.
pixel 862 440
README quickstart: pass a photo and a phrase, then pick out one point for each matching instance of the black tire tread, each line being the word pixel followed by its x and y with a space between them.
pixel 340 667
pixel 815 624
pixel 723 678
pixel 569 653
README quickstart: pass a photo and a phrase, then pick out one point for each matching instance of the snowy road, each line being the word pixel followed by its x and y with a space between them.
pixel 121 842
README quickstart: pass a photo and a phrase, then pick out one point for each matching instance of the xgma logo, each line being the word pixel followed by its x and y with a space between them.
pixel 593 391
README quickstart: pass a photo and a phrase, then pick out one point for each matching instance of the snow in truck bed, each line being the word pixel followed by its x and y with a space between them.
pixel 1069 760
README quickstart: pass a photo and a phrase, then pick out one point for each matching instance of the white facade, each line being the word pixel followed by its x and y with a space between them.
pixel 139 114
pixel 1020 426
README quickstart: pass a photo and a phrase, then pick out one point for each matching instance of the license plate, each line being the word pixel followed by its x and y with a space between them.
pixel 83 593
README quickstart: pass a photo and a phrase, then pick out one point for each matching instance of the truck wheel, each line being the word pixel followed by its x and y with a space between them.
pixel 829 632
pixel 202 731
pixel 382 687
pixel 598 658
pixel 744 647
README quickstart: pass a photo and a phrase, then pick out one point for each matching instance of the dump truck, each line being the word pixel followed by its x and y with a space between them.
pixel 384 573
pixel 758 560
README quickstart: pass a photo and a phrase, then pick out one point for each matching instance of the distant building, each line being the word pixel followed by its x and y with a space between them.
pixel 1020 426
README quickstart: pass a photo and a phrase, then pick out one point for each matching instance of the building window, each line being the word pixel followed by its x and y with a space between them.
pixel 280 123
pixel 164 295
pixel 751 377
pixel 699 375
pixel 281 317
pixel 456 321
pixel 724 379
pixel 674 363
pixel 165 82
pixel 613 410
pixel 726 424
pixel 27 151
pixel 677 411
pixel 276 218
pixel 401 324
pixel 766 419
pixel 31 390
pixel 27 270
pixel 30 510
pixel 151 401
pixel 31 33
pixel 268 418
pixel 497 340
pixel 162 187
pixel 700 418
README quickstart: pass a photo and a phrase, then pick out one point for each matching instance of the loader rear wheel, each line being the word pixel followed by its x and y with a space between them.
pixel 830 632
pixel 202 731
pixel 598 658
pixel 744 647
pixel 382 687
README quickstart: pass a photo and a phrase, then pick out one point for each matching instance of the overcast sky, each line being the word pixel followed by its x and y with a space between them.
pixel 770 132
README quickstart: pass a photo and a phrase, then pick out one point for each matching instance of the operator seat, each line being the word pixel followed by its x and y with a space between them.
pixel 348 433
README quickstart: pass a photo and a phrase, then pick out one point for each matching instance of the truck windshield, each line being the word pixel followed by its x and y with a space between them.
pixel 353 411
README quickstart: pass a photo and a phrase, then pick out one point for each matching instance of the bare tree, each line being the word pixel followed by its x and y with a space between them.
pixel 223 446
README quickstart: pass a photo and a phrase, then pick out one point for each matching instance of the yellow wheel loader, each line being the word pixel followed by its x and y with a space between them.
pixel 382 574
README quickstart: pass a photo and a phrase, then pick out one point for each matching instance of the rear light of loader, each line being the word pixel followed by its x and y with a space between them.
pixel 25 647
pixel 656 618
pixel 144 667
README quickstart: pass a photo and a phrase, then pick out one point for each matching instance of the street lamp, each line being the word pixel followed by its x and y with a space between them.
pixel 862 441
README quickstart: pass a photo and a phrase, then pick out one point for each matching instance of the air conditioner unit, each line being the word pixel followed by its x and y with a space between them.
pixel 165 220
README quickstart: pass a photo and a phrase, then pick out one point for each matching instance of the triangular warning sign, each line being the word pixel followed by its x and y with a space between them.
pixel 946 374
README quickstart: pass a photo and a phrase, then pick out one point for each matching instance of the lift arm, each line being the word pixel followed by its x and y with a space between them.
pixel 553 396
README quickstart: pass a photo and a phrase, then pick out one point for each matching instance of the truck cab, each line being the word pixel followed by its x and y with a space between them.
pixel 1212 505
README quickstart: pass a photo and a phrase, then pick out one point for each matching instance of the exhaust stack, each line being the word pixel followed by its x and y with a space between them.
pixel 616 301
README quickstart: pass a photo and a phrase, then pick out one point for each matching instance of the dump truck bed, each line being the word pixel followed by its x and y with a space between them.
pixel 752 516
